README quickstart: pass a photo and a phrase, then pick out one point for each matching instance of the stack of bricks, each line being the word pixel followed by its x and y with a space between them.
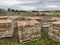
pixel 6 28
pixel 34 18
pixel 54 19
pixel 29 30
pixel 14 19
pixel 54 31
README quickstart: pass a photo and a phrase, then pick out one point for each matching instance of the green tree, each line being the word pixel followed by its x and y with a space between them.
pixel 13 10
pixel 9 9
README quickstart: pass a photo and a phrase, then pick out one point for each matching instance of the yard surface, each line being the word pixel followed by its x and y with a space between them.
pixel 43 41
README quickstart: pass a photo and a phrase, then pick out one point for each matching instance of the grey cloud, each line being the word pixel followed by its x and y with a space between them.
pixel 38 4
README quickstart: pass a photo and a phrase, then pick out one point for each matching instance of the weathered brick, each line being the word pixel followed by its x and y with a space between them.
pixel 29 30
pixel 54 31
pixel 6 28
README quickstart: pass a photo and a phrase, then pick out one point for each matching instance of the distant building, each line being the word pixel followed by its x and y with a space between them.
pixel 29 30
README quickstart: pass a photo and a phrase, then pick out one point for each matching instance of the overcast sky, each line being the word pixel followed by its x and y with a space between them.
pixel 31 4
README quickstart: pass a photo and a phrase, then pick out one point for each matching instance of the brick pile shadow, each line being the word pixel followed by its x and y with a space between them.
pixel 15 35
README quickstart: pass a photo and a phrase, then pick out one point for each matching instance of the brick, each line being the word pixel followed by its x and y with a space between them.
pixel 6 28
pixel 29 30
pixel 54 31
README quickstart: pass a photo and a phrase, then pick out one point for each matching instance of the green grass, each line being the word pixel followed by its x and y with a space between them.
pixel 43 41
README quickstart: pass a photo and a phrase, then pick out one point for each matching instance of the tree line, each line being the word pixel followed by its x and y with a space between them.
pixel 15 10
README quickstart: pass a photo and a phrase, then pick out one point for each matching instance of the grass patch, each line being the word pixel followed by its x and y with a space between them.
pixel 43 41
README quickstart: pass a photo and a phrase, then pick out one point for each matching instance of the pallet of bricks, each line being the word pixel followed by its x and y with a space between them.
pixel 15 19
pixel 29 30
pixel 6 28
pixel 53 19
pixel 54 31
